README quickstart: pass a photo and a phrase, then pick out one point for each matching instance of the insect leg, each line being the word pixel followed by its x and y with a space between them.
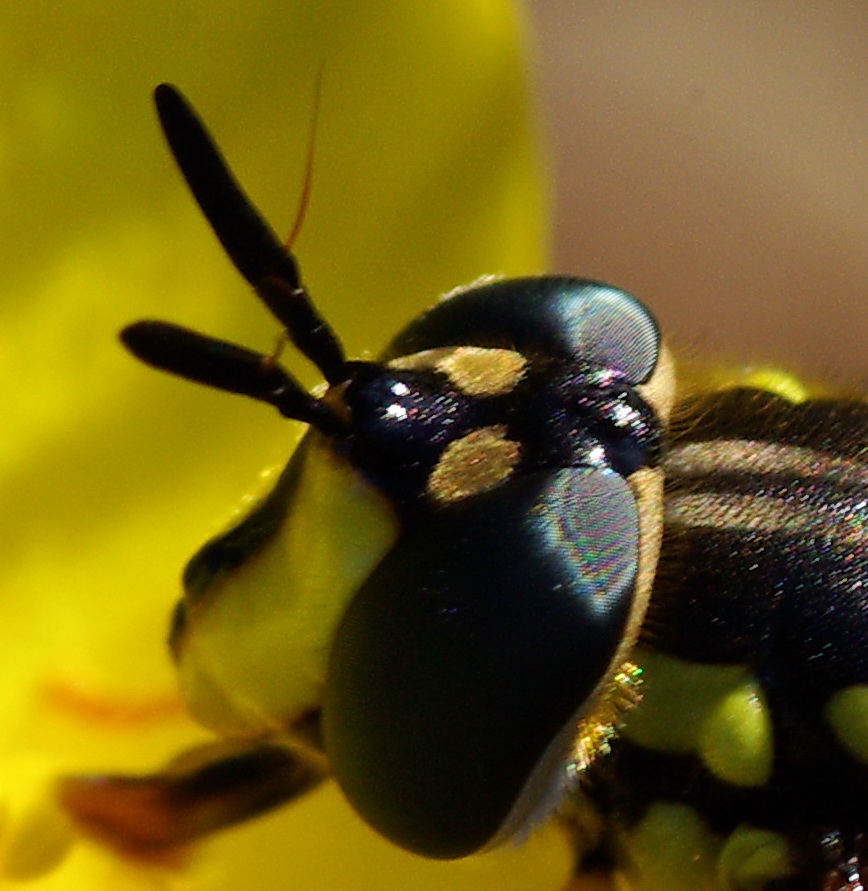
pixel 209 788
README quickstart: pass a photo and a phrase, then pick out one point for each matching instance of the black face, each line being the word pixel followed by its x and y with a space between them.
pixel 560 414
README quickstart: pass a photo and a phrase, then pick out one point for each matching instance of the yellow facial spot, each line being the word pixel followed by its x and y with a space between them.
pixel 847 714
pixel 472 464
pixel 483 372
pixel 736 740
pixel 474 371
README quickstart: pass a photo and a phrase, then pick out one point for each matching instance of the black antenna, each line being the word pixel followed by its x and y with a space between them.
pixel 226 366
pixel 264 262
pixel 258 254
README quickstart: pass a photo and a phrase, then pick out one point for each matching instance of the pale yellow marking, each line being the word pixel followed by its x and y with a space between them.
pixel 480 282
pixel 697 378
pixel 778 382
pixel 472 464
pixel 671 849
pixel 425 360
pixel 718 712
pixel 475 371
pixel 483 372
pixel 750 456
pixel 677 698
pixel 753 857
pixel 847 714
pixel 254 654
pixel 647 487
pixel 659 391
pixel 736 740
pixel 759 513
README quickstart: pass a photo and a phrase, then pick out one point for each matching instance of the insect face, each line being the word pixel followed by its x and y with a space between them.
pixel 444 598
pixel 506 449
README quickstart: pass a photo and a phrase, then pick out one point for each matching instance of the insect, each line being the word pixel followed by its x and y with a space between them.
pixel 497 638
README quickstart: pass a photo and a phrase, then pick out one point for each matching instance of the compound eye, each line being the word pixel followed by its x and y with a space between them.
pixel 459 670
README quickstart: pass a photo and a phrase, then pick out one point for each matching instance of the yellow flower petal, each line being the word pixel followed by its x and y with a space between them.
pixel 425 176
pixel 35 835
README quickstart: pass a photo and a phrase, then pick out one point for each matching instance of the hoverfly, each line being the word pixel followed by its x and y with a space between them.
pixel 560 582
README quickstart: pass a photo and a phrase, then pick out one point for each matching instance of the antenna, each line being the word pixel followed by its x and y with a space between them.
pixel 226 366
pixel 265 263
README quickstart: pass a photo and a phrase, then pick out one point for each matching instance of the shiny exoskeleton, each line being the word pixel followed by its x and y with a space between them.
pixel 474 522
pixel 751 739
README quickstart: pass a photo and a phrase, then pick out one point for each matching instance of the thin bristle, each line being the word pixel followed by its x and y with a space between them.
pixel 307 183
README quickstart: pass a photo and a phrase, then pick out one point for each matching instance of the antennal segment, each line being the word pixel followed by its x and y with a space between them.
pixel 253 247
pixel 226 366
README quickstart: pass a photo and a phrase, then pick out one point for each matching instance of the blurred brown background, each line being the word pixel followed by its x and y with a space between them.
pixel 712 158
